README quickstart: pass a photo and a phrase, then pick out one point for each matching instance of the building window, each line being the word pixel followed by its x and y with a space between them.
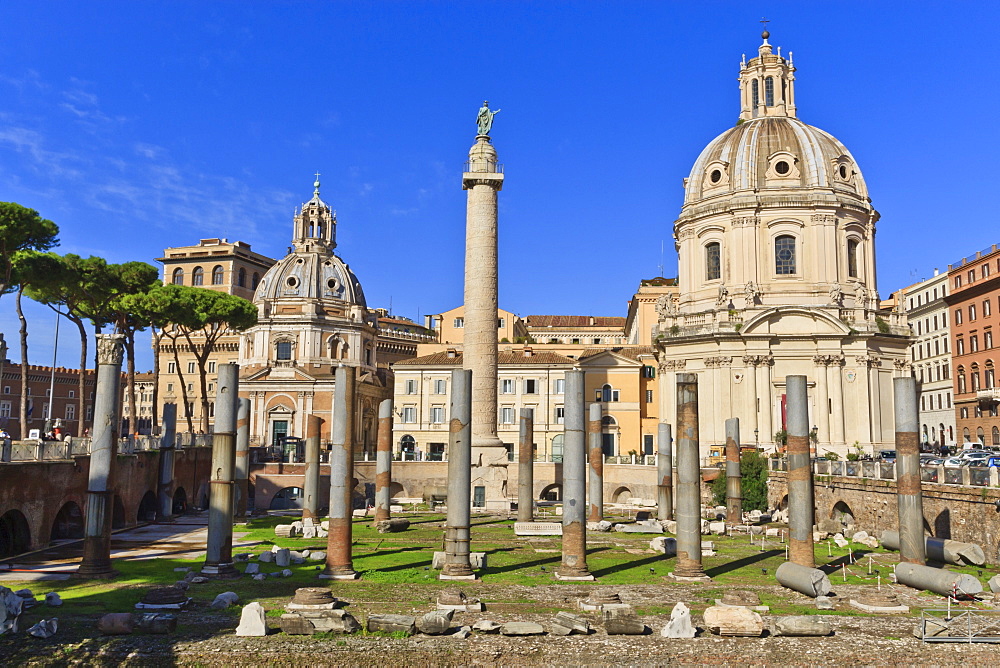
pixel 411 386
pixel 409 414
pixel 241 278
pixel 852 258
pixel 70 411
pixel 958 316
pixel 198 276
pixel 987 340
pixel 459 323
pixel 283 350
pixel 437 414
pixel 177 278
pixel 986 270
pixel 530 386
pixel 971 276
pixel 961 381
pixel 560 414
pixel 649 396
pixel 960 346
pixel 500 323
pixel 756 94
pixel 560 386
pixel 440 386
pixel 713 261
pixel 256 280
pixel 211 366
pixel 972 312
pixel 4 409
pixel 217 275
pixel 649 371
pixel 973 344
pixel 989 378
pixel 769 92
pixel 784 255
pixel 507 386
pixel 986 307
pixel 72 394
pixel 996 435
pixel 964 412
pixel 975 381
pixel 191 367
pixel 171 367
pixel 507 415
pixel 170 387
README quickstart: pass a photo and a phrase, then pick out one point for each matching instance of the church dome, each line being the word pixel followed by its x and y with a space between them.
pixel 315 275
pixel 311 270
pixel 773 152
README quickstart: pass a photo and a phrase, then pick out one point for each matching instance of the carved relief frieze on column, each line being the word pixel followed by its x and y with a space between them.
pixel 672 365
pixel 828 360
pixel 759 360
pixel 718 360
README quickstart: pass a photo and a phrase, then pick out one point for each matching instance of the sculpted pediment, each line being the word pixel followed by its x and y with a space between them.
pixel 794 321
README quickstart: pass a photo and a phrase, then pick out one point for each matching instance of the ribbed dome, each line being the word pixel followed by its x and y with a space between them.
pixel 773 152
pixel 316 274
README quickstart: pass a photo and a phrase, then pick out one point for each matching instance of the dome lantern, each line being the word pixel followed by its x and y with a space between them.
pixel 767 84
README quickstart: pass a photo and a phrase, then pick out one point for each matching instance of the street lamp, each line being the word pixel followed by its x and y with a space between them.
pixel 756 437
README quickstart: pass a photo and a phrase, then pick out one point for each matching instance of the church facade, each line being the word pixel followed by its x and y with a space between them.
pixel 312 318
pixel 776 244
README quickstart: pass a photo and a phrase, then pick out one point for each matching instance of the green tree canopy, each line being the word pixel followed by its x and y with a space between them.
pixel 21 229
pixel 753 485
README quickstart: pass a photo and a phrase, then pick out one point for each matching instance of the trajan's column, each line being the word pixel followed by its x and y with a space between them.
pixel 483 178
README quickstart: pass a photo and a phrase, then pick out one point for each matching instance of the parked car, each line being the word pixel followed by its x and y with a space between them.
pixel 887 456
pixel 993 460
pixel 953 463
pixel 937 461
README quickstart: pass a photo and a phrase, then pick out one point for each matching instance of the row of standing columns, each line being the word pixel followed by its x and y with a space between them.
pixel 582 447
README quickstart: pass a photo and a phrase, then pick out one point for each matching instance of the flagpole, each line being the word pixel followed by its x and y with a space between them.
pixel 52 377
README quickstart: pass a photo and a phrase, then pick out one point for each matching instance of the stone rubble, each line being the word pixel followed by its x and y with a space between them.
pixel 392 624
pixel 733 621
pixel 436 622
pixel 116 624
pixel 566 623
pixel 680 625
pixel 621 620
pixel 486 626
pixel 522 629
pixel 52 600
pixel 224 600
pixel 801 625
pixel 252 621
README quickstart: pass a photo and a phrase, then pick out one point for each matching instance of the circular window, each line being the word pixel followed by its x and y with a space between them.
pixel 299 261
pixel 843 172
pixel 715 176
pixel 332 283
pixel 292 281
pixel 781 167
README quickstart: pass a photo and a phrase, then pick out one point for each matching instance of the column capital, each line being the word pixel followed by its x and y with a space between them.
pixel 110 348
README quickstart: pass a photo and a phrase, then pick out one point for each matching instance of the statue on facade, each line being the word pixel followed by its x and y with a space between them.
pixel 666 306
pixel 860 296
pixel 723 297
pixel 836 295
pixel 751 291
pixel 485 118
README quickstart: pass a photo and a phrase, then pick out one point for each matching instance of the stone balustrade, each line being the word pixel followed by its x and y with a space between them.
pixel 968 476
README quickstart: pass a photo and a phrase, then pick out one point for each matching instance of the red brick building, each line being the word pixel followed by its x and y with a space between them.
pixel 65 403
pixel 974 313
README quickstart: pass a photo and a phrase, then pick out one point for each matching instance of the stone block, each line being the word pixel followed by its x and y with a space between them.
pixel 462 633
pixel 436 622
pixel 801 625
pixel 824 603
pixel 733 621
pixel 282 558
pixel 252 568
pixel 670 526
pixel 538 528
pixel 116 624
pixel 392 526
pixel 717 528
pixel 252 621
pixel 566 623
pixel 522 629
pixel 224 600
pixel 665 544
pixel 680 625
pixel 392 624
pixel 158 623
pixel 486 626
pixel 52 599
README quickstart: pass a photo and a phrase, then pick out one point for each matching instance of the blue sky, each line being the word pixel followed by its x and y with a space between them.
pixel 138 126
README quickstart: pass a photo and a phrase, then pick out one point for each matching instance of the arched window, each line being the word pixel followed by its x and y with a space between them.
pixel 256 280
pixel 713 261
pixel 852 258
pixel 980 436
pixel 407 443
pixel 198 276
pixel 241 278
pixel 769 92
pixel 606 392
pixel 996 435
pixel 608 421
pixel 177 278
pixel 217 275
pixel 784 255
pixel 756 94
pixel 961 380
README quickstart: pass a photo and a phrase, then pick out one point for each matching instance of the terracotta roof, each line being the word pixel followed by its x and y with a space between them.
pixel 510 357
pixel 631 352
pixel 574 321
